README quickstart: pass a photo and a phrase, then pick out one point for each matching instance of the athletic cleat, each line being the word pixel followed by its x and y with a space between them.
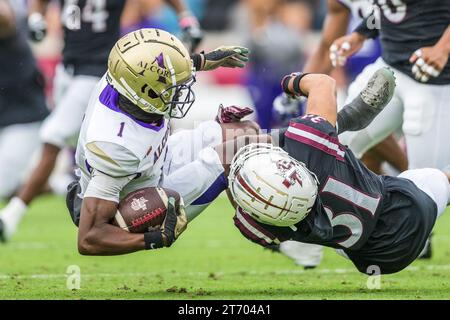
pixel 2 232
pixel 380 89
pixel 427 252
pixel 309 267
pixel 306 255
pixel 273 248
pixel 6 232
pixel 360 112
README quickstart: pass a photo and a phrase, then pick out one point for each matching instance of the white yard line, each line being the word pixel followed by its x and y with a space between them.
pixel 205 274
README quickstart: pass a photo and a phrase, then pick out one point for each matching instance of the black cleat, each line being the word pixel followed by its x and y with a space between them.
pixel 380 89
pixel 273 248
pixel 427 252
pixel 2 231
pixel 309 267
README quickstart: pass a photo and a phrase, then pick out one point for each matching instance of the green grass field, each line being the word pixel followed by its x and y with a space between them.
pixel 211 260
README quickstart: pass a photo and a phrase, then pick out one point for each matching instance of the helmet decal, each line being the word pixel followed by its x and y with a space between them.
pixel 290 172
pixel 162 71
pixel 160 60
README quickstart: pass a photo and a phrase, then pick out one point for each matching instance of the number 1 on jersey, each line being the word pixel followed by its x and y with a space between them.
pixel 122 125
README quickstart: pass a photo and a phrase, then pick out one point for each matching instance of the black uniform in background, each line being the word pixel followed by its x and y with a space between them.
pixel 91 28
pixel 22 98
pixel 408 25
pixel 377 220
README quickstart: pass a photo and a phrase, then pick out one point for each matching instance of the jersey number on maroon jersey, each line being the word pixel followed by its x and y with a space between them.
pixel 346 193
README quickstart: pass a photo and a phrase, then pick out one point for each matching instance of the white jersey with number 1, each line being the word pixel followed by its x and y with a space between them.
pixel 118 145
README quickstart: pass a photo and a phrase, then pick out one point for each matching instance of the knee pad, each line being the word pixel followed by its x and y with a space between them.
pixel 417 117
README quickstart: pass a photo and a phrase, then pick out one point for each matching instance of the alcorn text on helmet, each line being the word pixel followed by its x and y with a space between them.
pixel 271 186
pixel 153 69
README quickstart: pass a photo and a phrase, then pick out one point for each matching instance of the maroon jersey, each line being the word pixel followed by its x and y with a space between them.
pixel 376 220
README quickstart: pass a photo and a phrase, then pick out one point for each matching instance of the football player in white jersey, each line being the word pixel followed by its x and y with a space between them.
pixel 125 141
pixel 90 30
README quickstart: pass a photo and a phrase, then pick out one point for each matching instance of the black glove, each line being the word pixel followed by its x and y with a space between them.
pixel 74 202
pixel 225 56
pixel 37 27
pixel 191 34
pixel 174 224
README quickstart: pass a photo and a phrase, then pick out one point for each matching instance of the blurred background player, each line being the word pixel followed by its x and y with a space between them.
pixel 418 51
pixel 22 99
pixel 274 25
pixel 91 28
pixel 342 17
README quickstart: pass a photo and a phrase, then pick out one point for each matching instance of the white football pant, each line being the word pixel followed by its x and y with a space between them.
pixel 18 143
pixel 421 110
pixel 193 168
pixel 71 95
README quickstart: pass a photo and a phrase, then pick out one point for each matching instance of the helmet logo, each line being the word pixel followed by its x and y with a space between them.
pixel 158 67
pixel 160 62
pixel 289 172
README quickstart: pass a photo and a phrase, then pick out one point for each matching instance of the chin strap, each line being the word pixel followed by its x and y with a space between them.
pixel 137 113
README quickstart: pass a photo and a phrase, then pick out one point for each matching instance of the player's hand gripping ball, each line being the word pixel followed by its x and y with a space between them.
pixel 150 209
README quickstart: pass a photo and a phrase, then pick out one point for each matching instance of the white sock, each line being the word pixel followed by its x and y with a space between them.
pixel 12 214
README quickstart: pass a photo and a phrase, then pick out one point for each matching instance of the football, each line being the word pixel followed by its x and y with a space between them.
pixel 144 209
